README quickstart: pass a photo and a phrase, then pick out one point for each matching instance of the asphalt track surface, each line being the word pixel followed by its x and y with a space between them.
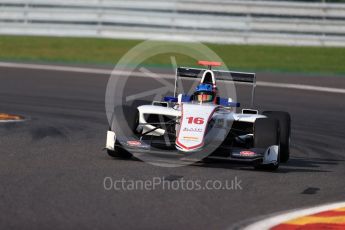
pixel 52 166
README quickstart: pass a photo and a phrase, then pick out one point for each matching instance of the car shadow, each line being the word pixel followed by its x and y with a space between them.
pixel 295 164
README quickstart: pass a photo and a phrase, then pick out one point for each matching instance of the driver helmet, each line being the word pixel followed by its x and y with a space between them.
pixel 204 93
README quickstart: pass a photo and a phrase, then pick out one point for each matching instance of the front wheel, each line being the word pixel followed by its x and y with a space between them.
pixel 284 120
pixel 132 122
pixel 266 134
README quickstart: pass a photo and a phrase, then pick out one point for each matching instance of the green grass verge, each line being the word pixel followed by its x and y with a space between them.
pixel 109 51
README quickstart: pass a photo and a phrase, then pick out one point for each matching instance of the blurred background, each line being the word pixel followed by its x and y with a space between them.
pixel 293 36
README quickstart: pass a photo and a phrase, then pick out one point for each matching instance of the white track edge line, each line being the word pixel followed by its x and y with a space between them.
pixel 281 218
pixel 138 74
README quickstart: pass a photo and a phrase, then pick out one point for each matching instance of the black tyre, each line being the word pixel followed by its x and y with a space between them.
pixel 133 121
pixel 266 134
pixel 130 125
pixel 284 120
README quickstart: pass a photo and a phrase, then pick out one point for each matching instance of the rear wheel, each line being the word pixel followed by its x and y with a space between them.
pixel 266 134
pixel 284 120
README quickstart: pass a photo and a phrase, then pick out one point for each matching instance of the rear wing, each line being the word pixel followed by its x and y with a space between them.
pixel 219 75
pixel 241 77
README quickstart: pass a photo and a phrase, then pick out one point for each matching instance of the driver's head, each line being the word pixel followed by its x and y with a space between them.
pixel 204 93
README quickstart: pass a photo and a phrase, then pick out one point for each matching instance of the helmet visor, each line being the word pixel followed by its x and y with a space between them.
pixel 204 97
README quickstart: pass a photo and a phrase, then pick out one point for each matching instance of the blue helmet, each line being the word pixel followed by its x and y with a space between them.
pixel 204 93
pixel 204 88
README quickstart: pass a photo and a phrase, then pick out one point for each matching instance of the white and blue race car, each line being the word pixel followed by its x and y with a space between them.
pixel 207 126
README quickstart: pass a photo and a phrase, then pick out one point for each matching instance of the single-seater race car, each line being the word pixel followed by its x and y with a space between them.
pixel 206 126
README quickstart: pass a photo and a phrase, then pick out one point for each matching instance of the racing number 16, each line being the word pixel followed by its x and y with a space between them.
pixel 195 120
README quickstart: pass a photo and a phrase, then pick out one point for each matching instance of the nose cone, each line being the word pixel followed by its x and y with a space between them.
pixel 194 121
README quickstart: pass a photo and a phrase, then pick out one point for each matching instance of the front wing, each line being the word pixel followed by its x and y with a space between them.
pixel 137 146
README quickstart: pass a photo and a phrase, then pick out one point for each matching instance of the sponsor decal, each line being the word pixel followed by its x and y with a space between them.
pixel 247 153
pixel 133 143
pixel 198 130
pixel 191 138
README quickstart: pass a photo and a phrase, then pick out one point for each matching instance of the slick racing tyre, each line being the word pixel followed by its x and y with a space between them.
pixel 266 134
pixel 133 121
pixel 285 131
